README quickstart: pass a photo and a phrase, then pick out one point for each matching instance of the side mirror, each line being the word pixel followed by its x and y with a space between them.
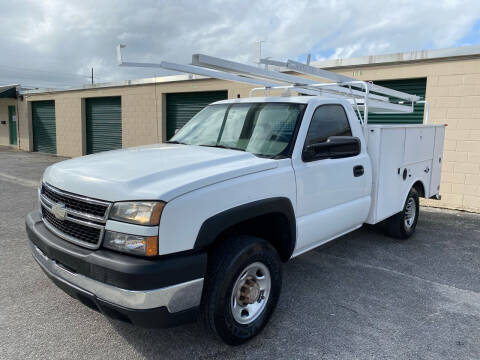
pixel 335 147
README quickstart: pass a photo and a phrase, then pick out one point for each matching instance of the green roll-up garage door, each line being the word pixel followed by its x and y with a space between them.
pixel 44 128
pixel 103 124
pixel 181 107
pixel 411 86
pixel 12 124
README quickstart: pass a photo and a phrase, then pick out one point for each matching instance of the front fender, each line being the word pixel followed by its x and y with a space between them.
pixel 182 223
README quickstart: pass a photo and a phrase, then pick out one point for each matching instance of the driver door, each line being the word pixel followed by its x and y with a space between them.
pixel 331 192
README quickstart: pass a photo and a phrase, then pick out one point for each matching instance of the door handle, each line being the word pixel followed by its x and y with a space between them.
pixel 358 170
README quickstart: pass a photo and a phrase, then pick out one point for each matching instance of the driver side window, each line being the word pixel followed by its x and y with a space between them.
pixel 327 120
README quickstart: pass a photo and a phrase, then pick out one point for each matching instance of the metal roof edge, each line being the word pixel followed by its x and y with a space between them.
pixel 9 86
pixel 9 91
pixel 122 83
pixel 409 56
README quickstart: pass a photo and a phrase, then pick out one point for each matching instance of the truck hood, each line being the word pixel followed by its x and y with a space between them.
pixel 152 172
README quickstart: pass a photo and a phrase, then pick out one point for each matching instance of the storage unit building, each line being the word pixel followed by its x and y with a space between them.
pixel 151 110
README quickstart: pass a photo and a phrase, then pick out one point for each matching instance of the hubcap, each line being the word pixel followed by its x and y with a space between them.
pixel 410 212
pixel 250 293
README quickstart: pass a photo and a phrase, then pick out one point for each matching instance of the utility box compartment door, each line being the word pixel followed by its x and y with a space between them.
pixel 437 161
pixel 419 144
pixel 390 173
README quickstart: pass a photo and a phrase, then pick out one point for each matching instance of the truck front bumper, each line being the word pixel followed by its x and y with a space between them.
pixel 160 292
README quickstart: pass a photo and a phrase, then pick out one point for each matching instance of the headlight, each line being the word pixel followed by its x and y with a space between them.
pixel 138 212
pixel 133 244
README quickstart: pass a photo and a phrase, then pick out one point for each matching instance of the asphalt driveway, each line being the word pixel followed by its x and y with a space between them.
pixel 365 296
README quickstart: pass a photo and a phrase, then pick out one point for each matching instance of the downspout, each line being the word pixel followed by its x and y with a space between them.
pixel 18 121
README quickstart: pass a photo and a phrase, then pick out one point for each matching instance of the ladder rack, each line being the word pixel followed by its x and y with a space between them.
pixel 366 97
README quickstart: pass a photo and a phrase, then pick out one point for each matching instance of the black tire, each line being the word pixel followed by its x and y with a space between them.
pixel 227 262
pixel 396 226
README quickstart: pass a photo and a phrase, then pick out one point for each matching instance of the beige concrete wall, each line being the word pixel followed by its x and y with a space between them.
pixel 24 118
pixel 453 91
pixel 139 120
pixel 4 128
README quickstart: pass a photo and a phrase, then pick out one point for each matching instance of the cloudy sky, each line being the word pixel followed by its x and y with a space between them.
pixel 50 43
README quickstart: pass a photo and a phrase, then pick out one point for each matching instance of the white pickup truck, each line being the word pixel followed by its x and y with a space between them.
pixel 157 235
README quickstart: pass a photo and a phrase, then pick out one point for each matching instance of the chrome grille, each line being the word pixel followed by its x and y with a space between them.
pixel 84 219
pixel 80 205
pixel 78 231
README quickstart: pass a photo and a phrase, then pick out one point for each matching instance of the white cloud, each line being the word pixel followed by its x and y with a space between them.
pixel 64 39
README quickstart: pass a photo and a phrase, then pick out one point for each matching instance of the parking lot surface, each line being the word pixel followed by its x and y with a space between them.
pixel 365 296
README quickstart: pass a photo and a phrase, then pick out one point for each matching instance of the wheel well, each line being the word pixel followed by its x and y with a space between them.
pixel 272 227
pixel 420 188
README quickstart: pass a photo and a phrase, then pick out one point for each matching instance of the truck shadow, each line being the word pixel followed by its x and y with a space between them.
pixel 360 295
pixel 309 280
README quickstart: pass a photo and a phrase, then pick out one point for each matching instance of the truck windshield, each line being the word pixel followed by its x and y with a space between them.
pixel 263 129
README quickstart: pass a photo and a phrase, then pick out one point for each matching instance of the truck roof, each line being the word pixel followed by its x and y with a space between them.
pixel 374 106
pixel 279 99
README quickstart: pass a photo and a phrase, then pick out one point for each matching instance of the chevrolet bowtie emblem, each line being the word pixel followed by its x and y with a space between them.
pixel 59 210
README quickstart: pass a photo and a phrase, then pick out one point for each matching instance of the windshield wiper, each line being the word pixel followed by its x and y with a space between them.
pixel 175 142
pixel 222 147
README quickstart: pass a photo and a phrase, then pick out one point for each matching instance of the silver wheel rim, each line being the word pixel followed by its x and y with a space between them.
pixel 250 293
pixel 410 212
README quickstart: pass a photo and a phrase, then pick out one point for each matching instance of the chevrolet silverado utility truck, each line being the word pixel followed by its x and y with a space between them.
pixel 199 227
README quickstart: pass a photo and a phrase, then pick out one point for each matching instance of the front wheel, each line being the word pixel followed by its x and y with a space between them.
pixel 403 224
pixel 242 287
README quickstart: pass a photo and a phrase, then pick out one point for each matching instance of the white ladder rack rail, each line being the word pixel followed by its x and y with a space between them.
pixel 338 78
pixel 361 96
pixel 349 81
pixel 249 70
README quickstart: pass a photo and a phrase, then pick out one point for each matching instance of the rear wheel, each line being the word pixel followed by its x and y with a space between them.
pixel 242 287
pixel 403 224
